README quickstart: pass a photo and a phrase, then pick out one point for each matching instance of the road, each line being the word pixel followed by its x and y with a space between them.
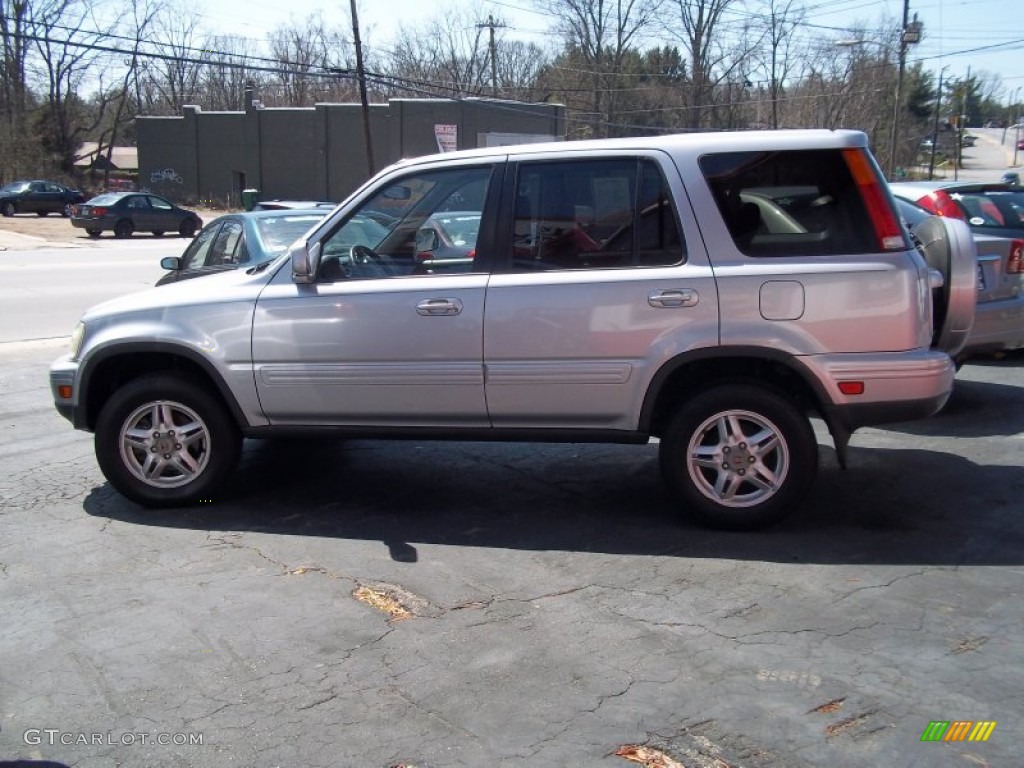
pixel 45 290
pixel 988 158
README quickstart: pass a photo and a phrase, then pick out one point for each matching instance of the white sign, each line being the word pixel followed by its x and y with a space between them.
pixel 447 137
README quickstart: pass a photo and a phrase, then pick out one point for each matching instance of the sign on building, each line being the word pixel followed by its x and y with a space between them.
pixel 447 137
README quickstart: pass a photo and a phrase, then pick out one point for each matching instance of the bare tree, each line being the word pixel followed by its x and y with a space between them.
pixel 166 84
pixel 783 18
pixel 67 36
pixel 303 54
pixel 699 28
pixel 114 111
pixel 599 34
pixel 228 72
pixel 17 147
pixel 519 64
pixel 447 56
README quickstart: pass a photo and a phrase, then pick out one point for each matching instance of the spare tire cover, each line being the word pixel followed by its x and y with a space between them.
pixel 948 246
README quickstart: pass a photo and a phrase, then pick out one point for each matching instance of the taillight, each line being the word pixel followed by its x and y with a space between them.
pixel 887 226
pixel 939 202
pixel 99 211
pixel 1013 261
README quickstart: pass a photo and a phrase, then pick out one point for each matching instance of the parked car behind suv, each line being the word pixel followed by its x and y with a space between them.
pixel 38 197
pixel 713 291
pixel 239 240
pixel 125 213
pixel 999 312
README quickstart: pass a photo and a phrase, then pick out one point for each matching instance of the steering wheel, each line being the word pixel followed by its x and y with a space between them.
pixel 360 254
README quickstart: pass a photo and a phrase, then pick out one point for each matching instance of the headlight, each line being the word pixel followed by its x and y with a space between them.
pixel 77 337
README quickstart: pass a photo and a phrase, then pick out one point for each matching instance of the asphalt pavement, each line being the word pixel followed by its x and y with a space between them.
pixel 376 604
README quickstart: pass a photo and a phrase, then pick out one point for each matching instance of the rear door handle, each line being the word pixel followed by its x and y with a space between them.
pixel 438 307
pixel 673 297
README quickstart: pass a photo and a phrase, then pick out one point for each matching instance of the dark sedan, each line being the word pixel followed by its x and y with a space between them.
pixel 38 197
pixel 240 240
pixel 125 213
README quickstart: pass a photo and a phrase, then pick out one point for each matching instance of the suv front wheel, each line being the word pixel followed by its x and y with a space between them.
pixel 739 456
pixel 164 442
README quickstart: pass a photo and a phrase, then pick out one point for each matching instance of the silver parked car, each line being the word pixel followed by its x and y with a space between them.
pixel 713 291
pixel 999 314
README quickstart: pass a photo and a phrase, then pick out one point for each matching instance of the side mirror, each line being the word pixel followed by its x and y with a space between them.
pixel 305 258
pixel 426 240
pixel 171 263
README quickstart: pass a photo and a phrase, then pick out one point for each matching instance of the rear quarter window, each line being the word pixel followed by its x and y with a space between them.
pixel 790 203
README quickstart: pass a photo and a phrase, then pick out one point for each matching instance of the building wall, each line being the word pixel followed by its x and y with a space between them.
pixel 312 153
pixel 218 152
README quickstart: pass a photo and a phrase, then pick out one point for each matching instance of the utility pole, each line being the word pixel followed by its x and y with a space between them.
pixel 910 33
pixel 491 24
pixel 935 129
pixel 361 77
pixel 961 119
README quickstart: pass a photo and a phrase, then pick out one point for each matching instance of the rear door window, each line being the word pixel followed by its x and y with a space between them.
pixel 792 203
pixel 593 214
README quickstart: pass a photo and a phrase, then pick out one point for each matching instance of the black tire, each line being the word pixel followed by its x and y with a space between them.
pixel 187 228
pixel 94 232
pixel 8 209
pixel 158 233
pixel 123 229
pixel 40 214
pixel 740 483
pixel 66 210
pixel 139 443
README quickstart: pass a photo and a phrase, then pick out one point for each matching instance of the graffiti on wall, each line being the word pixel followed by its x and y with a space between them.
pixel 168 175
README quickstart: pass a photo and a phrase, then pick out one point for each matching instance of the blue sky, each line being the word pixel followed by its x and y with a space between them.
pixel 980 34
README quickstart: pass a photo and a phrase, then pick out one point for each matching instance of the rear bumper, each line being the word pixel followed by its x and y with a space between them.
pixel 998 325
pixel 897 386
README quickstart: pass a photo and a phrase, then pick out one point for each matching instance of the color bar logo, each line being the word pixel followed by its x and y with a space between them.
pixel 958 730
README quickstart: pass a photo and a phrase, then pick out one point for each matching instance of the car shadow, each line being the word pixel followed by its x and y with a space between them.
pixel 974 409
pixel 889 506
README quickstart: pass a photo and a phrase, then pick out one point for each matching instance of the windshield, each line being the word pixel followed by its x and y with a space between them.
pixel 359 230
pixel 14 186
pixel 105 199
pixel 461 228
pixel 278 232
pixel 991 208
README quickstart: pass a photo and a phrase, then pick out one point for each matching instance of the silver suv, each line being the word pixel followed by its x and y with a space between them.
pixel 712 291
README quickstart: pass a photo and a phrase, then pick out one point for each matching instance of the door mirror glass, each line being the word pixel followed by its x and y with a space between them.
pixel 304 257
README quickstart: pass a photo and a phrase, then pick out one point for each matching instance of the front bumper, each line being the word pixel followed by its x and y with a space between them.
pixel 64 373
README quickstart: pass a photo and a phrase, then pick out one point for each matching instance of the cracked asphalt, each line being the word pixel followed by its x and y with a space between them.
pixel 558 606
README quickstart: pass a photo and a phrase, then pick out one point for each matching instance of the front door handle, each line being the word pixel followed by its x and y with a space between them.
pixel 673 297
pixel 438 307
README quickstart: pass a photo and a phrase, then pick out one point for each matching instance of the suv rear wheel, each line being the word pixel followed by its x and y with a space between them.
pixel 163 442
pixel 739 456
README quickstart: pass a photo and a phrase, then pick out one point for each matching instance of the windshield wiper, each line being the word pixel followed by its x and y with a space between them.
pixel 258 268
